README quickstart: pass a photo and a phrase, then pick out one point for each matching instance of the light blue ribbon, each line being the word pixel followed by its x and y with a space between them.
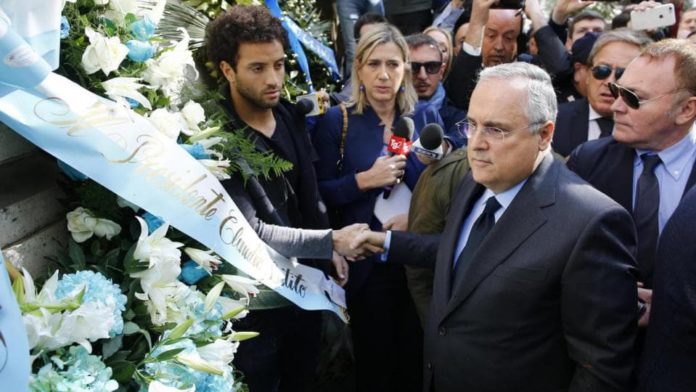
pixel 315 46
pixel 294 42
pixel 14 347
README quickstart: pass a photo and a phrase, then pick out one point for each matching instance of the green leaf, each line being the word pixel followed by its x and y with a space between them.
pixel 169 354
pixel 130 328
pixel 122 371
pixel 233 312
pixel 76 255
pixel 18 288
pixel 111 346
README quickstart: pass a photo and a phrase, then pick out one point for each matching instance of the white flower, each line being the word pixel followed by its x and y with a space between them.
pixel 242 285
pixel 166 122
pixel 118 9
pixel 217 167
pixel 105 54
pixel 157 11
pixel 82 225
pixel 157 386
pixel 229 305
pixel 168 72
pixel 156 248
pixel 205 259
pixel 121 87
pixel 219 353
pixel 193 114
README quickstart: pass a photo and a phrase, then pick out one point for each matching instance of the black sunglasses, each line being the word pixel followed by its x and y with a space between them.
pixel 603 71
pixel 431 67
pixel 631 99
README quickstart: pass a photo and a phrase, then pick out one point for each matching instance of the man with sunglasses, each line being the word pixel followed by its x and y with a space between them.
pixel 648 163
pixel 590 118
pixel 427 69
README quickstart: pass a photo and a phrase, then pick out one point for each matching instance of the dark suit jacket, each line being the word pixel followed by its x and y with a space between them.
pixel 571 126
pixel 548 302
pixel 608 166
pixel 669 357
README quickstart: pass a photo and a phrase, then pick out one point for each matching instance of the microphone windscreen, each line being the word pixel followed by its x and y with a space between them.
pixel 431 136
pixel 304 106
pixel 404 128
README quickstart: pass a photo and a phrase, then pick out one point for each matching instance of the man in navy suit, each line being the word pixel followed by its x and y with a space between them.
pixel 669 357
pixel 534 286
pixel 590 118
pixel 648 163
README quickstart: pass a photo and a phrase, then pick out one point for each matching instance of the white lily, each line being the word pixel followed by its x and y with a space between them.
pixel 156 248
pixel 219 353
pixel 169 71
pixel 168 123
pixel 205 259
pixel 123 87
pixel 242 285
pixel 217 167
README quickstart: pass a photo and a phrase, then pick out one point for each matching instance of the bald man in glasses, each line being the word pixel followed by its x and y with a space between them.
pixel 648 163
pixel 590 118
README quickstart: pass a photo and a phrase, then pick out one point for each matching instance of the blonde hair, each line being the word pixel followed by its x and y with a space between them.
pixel 448 43
pixel 382 33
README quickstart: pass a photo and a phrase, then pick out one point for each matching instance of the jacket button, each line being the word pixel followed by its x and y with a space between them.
pixel 442 331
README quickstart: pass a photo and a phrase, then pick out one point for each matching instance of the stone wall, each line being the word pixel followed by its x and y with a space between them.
pixel 32 221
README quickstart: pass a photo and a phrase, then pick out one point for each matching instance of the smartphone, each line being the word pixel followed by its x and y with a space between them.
pixel 653 18
pixel 509 5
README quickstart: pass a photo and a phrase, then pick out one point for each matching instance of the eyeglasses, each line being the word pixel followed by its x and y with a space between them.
pixel 431 67
pixel 603 71
pixel 491 133
pixel 631 99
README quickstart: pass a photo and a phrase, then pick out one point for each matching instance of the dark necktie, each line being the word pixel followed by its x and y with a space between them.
pixel 606 125
pixel 645 214
pixel 479 230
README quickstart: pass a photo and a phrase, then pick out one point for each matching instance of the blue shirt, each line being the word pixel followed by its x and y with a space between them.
pixel 672 174
pixel 504 198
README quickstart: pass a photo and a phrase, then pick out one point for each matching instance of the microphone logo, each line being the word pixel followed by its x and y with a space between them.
pixel 399 145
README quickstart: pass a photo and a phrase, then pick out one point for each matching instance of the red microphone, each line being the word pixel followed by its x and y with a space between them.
pixel 400 143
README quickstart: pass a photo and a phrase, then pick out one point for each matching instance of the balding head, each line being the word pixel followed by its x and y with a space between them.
pixel 500 37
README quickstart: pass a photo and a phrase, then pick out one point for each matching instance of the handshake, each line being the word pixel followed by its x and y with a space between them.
pixel 357 241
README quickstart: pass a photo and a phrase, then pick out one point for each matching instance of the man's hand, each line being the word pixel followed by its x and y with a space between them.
pixel 341 266
pixel 477 21
pixel 397 222
pixel 646 296
pixel 342 238
pixel 367 243
pixel 565 8
pixel 536 15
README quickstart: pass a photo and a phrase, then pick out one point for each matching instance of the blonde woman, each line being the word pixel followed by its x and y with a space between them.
pixel 353 171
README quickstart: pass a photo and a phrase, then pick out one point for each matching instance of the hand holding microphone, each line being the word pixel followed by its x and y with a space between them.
pixel 384 172
pixel 400 144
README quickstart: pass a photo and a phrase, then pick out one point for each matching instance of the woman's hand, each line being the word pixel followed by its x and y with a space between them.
pixel 385 171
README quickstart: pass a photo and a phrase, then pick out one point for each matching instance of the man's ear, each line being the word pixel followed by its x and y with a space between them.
pixel 546 135
pixel 227 71
pixel 686 112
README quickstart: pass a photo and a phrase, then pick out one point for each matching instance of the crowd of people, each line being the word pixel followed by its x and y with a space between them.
pixel 542 245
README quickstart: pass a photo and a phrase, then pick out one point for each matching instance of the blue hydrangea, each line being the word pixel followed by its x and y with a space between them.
pixel 140 51
pixel 64 27
pixel 98 289
pixel 191 273
pixel 196 150
pixel 206 325
pixel 71 172
pixel 180 376
pixel 142 29
pixel 74 370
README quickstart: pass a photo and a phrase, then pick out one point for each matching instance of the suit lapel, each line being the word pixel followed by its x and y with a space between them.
pixel 580 132
pixel 467 194
pixel 519 221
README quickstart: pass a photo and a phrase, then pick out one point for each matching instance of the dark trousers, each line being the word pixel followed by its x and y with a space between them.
pixel 284 355
pixel 387 337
